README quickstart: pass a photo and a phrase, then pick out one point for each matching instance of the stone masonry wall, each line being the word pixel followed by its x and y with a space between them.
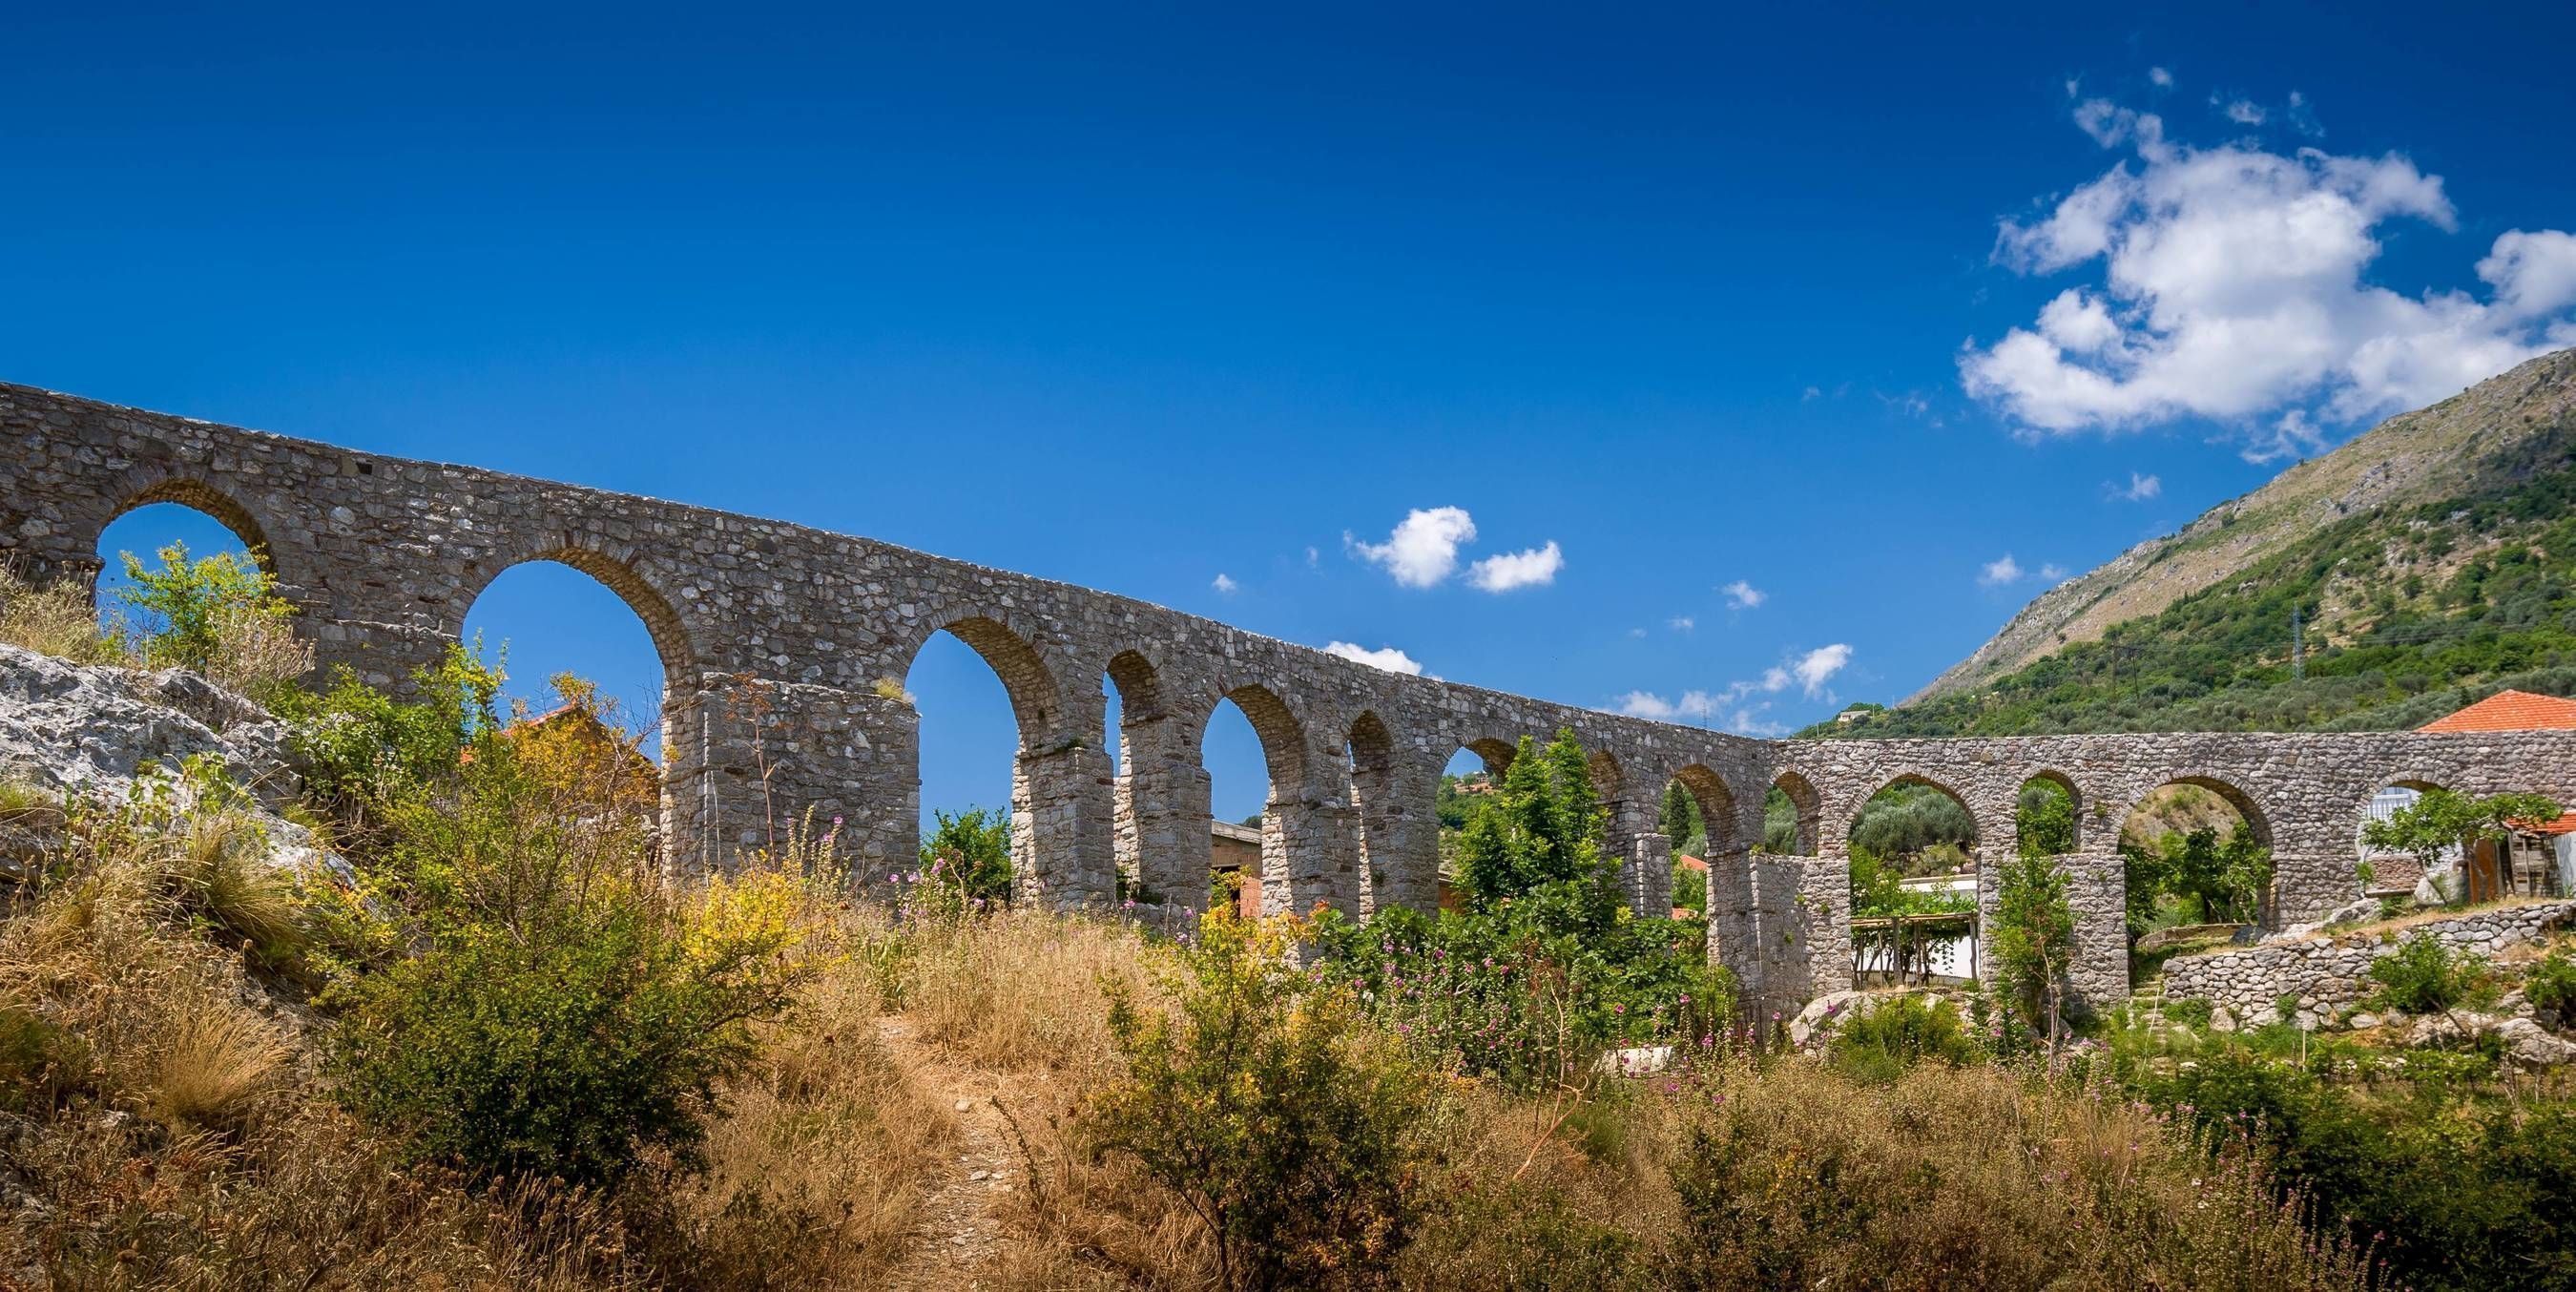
pixel 784 648
pixel 2327 975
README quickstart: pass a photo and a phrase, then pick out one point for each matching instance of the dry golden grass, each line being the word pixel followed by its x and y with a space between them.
pixel 1019 990
pixel 819 1159
pixel 56 620
pixel 216 1064
pixel 256 653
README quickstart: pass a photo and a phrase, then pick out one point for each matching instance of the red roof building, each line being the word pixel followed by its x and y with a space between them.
pixel 2511 711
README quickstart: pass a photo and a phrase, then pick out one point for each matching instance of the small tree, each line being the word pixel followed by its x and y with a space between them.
pixel 972 851
pixel 2035 936
pixel 2044 819
pixel 187 609
pixel 1680 821
pixel 2439 820
pixel 1539 836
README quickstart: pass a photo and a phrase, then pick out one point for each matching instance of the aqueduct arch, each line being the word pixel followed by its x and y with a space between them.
pixel 778 638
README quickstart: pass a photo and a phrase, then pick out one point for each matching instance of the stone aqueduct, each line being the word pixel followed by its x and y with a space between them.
pixel 778 641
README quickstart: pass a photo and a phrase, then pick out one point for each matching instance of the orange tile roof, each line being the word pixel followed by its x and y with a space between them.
pixel 1690 862
pixel 2511 711
pixel 2563 825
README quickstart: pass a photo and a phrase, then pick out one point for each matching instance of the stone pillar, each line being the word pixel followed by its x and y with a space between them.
pixel 1399 835
pixel 750 763
pixel 1734 920
pixel 2097 973
pixel 1821 916
pixel 1061 813
pixel 1645 856
pixel 1163 825
pixel 2309 883
pixel 1305 858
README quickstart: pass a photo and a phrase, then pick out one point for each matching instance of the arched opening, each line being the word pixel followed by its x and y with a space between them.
pixel 586 677
pixel 1698 816
pixel 1793 816
pixel 2393 874
pixel 1913 886
pixel 1472 775
pixel 2048 816
pixel 186 527
pixel 985 703
pixel 1253 752
pixel 1163 840
pixel 1387 858
pixel 2197 861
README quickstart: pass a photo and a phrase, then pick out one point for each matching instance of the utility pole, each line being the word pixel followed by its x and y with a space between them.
pixel 2298 647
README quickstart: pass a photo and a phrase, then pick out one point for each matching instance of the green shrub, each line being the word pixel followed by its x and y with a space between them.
pixel 2425 977
pixel 1543 971
pixel 2551 986
pixel 970 854
pixel 1880 1045
pixel 363 753
pixel 565 1012
pixel 1286 1124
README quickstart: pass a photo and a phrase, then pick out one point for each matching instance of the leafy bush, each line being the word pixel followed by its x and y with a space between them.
pixel 2449 1188
pixel 2219 880
pixel 2425 977
pixel 1269 1107
pixel 219 615
pixel 1544 969
pixel 363 753
pixel 970 852
pixel 1881 1044
pixel 2551 985
pixel 565 1012
pixel 2034 936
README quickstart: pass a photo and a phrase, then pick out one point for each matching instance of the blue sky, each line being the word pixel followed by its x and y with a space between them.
pixel 1847 306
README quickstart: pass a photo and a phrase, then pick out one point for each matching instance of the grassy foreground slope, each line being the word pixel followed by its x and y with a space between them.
pixel 2415 599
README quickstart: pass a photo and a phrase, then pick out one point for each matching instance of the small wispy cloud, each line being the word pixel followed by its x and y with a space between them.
pixel 1225 584
pixel 2052 574
pixel 2244 112
pixel 2139 489
pixel 1535 568
pixel 2000 571
pixel 1681 623
pixel 1811 672
pixel 1741 595
pixel 1385 657
pixel 2160 78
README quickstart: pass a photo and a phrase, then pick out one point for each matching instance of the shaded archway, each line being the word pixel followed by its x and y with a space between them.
pixel 1913 847
pixel 2194 851
pixel 180 523
pixel 1793 817
pixel 1397 829
pixel 1290 879
pixel 1698 818
pixel 982 751
pixel 591 658
pixel 2048 816
pixel 1161 832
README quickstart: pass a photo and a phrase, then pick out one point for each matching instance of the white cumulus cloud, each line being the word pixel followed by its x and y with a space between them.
pixel 1423 550
pixel 2000 571
pixel 1741 595
pixel 1225 585
pixel 1818 666
pixel 1536 567
pixel 2232 286
pixel 2139 489
pixel 1388 657
pixel 2161 77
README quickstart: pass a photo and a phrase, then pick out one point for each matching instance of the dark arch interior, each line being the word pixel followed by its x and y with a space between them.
pixel 1792 816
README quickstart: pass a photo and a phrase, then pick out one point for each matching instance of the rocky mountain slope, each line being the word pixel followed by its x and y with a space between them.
pixel 2426 455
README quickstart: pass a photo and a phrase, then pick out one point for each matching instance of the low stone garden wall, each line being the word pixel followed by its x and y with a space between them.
pixel 2328 975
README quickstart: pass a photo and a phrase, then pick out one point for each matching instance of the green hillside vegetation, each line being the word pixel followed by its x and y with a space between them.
pixel 2410 613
